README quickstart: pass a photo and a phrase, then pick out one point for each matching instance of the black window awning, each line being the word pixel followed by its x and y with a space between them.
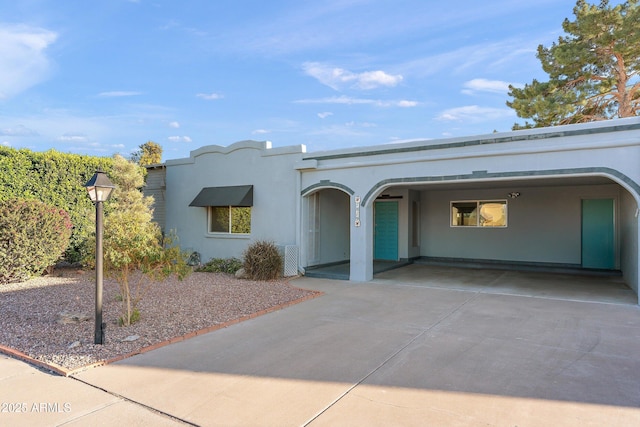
pixel 238 195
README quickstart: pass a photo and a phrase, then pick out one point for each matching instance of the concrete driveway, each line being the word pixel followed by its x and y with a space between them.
pixel 420 345
pixel 399 352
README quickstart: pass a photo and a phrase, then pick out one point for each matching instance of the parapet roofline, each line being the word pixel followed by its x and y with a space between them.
pixel 591 128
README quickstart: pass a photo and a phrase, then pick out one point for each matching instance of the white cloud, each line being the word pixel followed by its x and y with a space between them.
pixel 23 62
pixel 260 131
pixel 73 138
pixel 336 100
pixel 337 78
pixel 325 114
pixel 19 130
pixel 179 139
pixel 5 144
pixel 209 96
pixel 407 104
pixel 474 114
pixel 118 94
pixel 174 125
pixel 346 100
pixel 361 124
pixel 484 85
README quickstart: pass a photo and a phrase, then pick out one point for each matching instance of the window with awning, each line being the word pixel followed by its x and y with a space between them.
pixel 228 208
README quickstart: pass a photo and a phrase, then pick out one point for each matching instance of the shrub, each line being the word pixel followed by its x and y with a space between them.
pixel 222 265
pixel 33 236
pixel 133 242
pixel 56 179
pixel 262 261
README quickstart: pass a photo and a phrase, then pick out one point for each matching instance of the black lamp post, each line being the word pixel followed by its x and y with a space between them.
pixel 99 188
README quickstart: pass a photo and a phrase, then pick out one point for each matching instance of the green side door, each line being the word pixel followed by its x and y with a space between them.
pixel 598 234
pixel 386 231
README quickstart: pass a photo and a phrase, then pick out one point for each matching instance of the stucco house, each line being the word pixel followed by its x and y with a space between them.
pixel 566 196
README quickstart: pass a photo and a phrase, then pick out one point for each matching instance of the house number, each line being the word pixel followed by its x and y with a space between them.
pixel 357 221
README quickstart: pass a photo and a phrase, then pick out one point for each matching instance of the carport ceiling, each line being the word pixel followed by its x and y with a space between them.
pixel 515 184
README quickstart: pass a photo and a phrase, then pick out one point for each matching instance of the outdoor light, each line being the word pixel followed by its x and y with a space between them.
pixel 99 188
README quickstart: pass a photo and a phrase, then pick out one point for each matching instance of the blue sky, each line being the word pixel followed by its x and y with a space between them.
pixel 104 76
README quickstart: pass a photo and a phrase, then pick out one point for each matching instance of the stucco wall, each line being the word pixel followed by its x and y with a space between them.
pixel 629 239
pixel 544 224
pixel 274 180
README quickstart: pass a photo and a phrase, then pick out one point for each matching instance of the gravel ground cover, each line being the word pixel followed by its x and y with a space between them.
pixel 30 313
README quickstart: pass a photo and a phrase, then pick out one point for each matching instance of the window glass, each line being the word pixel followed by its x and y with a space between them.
pixel 241 220
pixel 219 219
pixel 493 214
pixel 464 214
pixel 230 219
pixel 484 213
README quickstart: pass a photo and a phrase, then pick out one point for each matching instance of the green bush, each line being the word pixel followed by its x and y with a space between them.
pixel 222 265
pixel 33 236
pixel 56 179
pixel 262 261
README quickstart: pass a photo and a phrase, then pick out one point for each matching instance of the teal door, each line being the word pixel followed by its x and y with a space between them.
pixel 598 232
pixel 386 230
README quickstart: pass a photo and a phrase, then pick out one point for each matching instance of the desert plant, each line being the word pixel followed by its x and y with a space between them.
pixel 33 236
pixel 222 265
pixel 262 261
pixel 133 242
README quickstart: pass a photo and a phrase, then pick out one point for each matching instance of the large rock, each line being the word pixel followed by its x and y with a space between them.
pixel 67 317
pixel 241 274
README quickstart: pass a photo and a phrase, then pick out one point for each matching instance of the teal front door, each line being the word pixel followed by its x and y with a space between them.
pixel 386 230
pixel 598 234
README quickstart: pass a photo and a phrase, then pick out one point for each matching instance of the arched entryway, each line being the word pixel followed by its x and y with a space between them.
pixel 326 230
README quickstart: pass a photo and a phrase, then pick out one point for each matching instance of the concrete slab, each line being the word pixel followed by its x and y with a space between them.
pixel 577 287
pixel 465 348
pixel 31 397
pixel 383 353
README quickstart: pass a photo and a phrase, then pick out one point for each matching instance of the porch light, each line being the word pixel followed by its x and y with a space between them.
pixel 99 187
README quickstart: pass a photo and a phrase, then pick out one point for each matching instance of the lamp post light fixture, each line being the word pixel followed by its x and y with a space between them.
pixel 100 189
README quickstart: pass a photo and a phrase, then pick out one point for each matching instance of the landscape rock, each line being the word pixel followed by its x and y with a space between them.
pixel 241 274
pixel 66 317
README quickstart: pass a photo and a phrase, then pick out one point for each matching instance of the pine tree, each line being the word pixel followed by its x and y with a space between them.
pixel 148 153
pixel 593 70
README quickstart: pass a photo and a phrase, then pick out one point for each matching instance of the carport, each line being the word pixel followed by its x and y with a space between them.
pixel 557 198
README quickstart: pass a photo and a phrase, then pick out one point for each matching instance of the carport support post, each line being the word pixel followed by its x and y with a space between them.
pixel 361 253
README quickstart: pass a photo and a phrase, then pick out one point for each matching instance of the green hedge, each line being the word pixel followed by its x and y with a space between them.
pixel 56 179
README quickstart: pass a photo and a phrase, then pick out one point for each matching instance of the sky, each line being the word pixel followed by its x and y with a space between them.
pixel 105 76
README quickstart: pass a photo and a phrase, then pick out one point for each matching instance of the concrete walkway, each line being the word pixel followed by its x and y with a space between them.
pixel 462 348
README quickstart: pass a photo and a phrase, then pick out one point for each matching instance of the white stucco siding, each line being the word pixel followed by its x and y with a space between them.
pixel 629 236
pixel 274 180
pixel 588 149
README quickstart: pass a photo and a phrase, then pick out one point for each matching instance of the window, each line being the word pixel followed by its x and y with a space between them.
pixel 229 219
pixel 489 213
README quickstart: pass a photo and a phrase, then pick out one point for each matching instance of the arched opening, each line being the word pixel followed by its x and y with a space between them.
pixel 326 239
pixel 531 222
